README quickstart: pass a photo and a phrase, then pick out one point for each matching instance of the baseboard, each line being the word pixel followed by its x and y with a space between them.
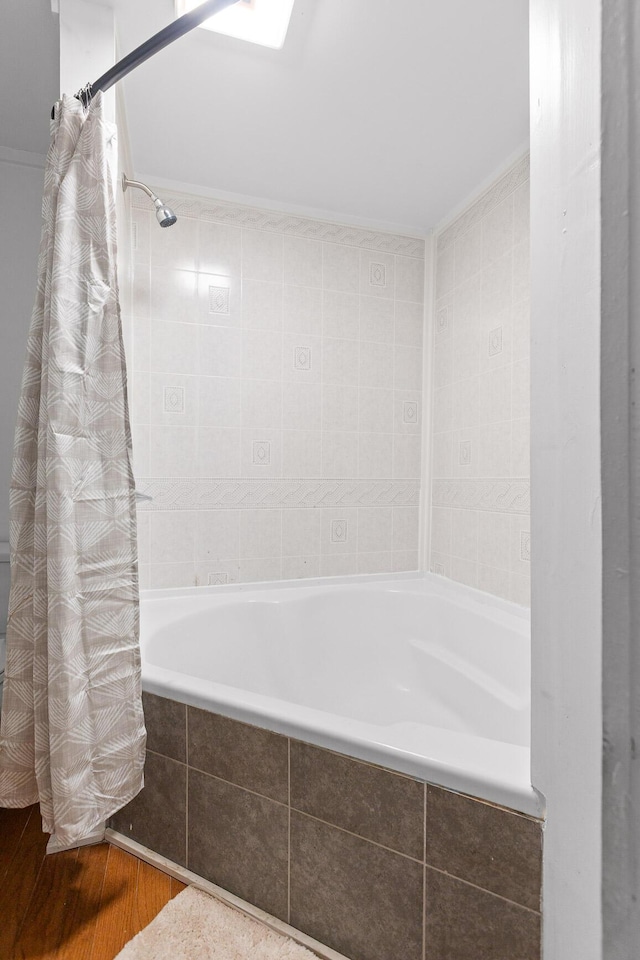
pixel 192 879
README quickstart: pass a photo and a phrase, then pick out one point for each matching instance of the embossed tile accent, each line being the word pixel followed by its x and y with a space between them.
pixel 442 320
pixel 488 846
pixel 495 342
pixel 239 841
pixel 525 545
pixel 166 723
pixel 157 816
pixel 339 531
pixel 219 300
pixel 302 358
pixel 377 275
pixel 261 455
pixel 465 452
pixel 410 411
pixel 173 399
pixel 217 579
pixel 465 923
pixel 358 797
pixel 352 895
pixel 438 568
pixel 240 753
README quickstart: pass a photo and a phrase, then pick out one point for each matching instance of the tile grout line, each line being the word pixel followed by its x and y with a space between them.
pixel 374 843
pixel 489 893
pixel 289 830
pixel 282 803
pixel 424 877
pixel 366 763
pixel 186 799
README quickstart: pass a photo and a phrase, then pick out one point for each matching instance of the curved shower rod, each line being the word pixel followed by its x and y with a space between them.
pixel 153 45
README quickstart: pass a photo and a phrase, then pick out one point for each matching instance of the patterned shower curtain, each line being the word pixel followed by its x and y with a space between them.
pixel 72 735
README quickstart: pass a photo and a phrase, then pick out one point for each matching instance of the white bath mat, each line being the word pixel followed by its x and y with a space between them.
pixel 195 926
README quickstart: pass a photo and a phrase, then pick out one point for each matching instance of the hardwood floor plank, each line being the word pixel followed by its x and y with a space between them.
pixel 76 942
pixel 115 925
pixel 83 904
pixel 43 923
pixel 16 892
pixel 153 893
pixel 177 886
pixel 12 824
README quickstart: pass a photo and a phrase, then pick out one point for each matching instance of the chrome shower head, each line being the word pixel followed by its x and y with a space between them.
pixel 164 215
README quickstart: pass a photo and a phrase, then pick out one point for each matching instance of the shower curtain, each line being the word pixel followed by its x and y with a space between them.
pixel 72 734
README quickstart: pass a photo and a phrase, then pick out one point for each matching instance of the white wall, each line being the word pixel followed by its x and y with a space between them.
pixel 480 532
pixel 565 467
pixel 292 351
pixel 29 81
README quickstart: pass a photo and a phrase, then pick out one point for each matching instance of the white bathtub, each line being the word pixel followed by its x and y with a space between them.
pixel 411 672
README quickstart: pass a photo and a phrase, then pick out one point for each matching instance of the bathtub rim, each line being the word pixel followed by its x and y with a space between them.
pixel 356 739
pixel 441 584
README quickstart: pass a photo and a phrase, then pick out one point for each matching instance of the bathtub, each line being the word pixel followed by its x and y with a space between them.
pixel 414 673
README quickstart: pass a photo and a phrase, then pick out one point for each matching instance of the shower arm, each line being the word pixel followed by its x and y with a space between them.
pixel 140 186
pixel 184 24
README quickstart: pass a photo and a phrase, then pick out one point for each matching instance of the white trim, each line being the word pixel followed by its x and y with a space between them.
pixel 261 203
pixel 567 200
pixel 192 879
pixel 22 158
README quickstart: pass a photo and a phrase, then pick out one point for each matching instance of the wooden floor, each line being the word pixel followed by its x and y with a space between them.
pixel 81 904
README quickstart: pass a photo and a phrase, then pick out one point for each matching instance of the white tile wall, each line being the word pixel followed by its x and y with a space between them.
pixel 258 354
pixel 481 384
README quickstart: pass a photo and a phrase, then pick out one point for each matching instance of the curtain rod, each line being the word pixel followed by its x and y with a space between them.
pixel 175 30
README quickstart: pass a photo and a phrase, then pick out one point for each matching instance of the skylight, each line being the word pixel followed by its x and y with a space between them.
pixel 258 21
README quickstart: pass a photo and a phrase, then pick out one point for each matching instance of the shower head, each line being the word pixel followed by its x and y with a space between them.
pixel 164 215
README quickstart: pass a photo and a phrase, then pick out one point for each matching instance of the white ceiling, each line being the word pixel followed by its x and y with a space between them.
pixel 392 111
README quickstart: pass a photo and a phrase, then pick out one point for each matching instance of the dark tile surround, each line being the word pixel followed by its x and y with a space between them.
pixel 366 860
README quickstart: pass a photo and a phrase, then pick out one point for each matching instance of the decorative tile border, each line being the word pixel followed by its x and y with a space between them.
pixel 513 178
pixel 203 208
pixel 502 496
pixel 168 493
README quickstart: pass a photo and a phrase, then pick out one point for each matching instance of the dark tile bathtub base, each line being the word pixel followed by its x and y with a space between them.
pixel 486 845
pixel 166 722
pixel 356 897
pixel 370 862
pixel 248 756
pixel 466 923
pixel 239 841
pixel 157 817
pixel 359 798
